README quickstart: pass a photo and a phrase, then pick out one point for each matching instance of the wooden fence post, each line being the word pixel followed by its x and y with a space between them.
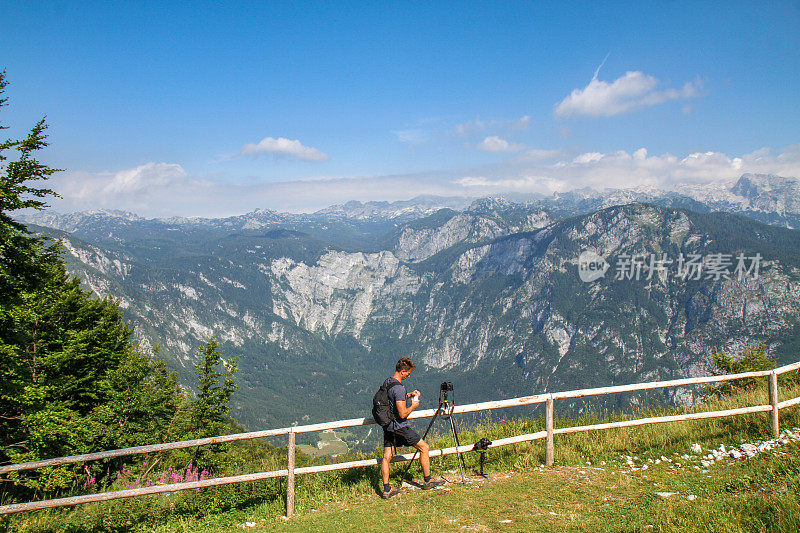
pixel 773 400
pixel 290 477
pixel 548 423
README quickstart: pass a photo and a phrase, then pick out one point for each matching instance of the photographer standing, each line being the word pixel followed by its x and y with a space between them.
pixel 398 432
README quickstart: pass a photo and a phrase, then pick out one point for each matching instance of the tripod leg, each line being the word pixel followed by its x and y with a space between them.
pixel 458 452
pixel 433 419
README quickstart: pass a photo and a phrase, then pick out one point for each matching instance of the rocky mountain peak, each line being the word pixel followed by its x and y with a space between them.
pixel 754 183
pixel 489 204
pixel 768 192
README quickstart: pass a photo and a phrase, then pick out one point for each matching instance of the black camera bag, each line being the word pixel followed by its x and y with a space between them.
pixel 382 409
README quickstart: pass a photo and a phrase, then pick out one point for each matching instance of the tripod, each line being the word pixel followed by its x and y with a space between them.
pixel 445 412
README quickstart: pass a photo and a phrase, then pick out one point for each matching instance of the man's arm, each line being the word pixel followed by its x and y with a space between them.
pixel 404 410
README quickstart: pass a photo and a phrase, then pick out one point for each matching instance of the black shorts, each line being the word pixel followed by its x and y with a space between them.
pixel 405 436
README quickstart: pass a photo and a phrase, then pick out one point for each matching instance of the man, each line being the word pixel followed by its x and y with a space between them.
pixel 399 433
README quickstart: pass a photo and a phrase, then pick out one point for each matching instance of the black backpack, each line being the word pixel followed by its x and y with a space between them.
pixel 382 409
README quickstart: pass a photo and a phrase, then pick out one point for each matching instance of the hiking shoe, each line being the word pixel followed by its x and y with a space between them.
pixel 432 484
pixel 388 494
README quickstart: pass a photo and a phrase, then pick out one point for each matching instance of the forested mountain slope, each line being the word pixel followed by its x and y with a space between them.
pixel 489 297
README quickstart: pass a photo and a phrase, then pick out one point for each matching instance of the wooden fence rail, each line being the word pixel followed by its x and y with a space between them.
pixel 290 472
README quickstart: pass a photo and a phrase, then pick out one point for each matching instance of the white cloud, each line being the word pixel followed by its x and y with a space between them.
pixel 496 144
pixel 521 184
pixel 468 129
pixel 412 136
pixel 145 176
pixel 164 188
pixel 284 148
pixel 588 158
pixel 105 188
pixel 523 123
pixel 635 90
pixel 537 155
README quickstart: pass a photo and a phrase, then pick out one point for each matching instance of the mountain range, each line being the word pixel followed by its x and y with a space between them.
pixel 487 293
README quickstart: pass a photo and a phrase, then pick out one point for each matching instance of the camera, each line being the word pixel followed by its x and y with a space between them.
pixel 482 444
pixel 444 390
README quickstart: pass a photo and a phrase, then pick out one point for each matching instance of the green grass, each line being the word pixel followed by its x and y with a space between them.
pixel 755 495
pixel 759 494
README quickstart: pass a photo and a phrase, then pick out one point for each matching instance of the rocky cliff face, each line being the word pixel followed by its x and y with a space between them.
pixel 519 299
pixel 341 291
pixel 415 244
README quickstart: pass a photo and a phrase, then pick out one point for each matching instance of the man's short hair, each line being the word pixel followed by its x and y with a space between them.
pixel 404 364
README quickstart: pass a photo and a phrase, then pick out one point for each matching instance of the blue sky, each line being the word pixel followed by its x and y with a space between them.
pixel 213 109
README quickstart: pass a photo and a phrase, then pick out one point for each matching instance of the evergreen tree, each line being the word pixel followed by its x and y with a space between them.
pixel 71 381
pixel 211 410
pixel 216 384
pixel 25 262
pixel 22 255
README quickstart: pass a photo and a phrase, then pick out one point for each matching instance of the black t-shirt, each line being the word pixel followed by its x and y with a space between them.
pixel 396 394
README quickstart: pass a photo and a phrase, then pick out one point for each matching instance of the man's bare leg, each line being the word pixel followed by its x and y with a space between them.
pixel 424 457
pixel 425 463
pixel 388 453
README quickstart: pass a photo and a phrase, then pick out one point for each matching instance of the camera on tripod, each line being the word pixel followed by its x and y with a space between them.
pixel 444 388
pixel 481 446
pixel 444 412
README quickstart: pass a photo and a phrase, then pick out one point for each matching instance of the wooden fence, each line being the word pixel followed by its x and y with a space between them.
pixel 291 471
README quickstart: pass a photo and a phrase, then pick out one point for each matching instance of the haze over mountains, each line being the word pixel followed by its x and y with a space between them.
pixel 485 292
